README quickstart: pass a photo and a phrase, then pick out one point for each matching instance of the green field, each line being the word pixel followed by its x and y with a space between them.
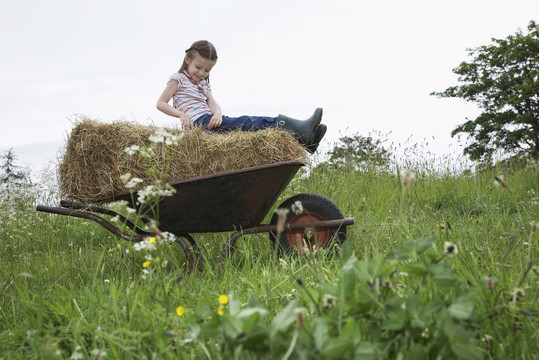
pixel 71 290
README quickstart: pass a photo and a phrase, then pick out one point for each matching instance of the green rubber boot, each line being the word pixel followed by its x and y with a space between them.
pixel 318 135
pixel 304 130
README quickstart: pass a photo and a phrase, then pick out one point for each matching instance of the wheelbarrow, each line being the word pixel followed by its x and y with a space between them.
pixel 233 201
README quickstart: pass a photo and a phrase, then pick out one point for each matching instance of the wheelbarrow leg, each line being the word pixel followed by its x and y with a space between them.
pixel 187 253
pixel 230 244
pixel 196 250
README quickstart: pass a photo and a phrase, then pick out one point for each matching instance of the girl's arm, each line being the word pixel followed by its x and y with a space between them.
pixel 164 106
pixel 215 108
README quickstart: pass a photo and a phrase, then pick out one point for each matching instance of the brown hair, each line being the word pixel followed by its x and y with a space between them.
pixel 203 48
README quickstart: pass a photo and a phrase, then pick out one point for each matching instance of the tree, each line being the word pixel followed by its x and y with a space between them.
pixel 503 80
pixel 356 151
pixel 12 176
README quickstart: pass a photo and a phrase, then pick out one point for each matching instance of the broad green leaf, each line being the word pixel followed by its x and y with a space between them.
pixel 396 319
pixel 349 264
pixel 414 305
pixel 234 304
pixel 209 331
pixel 337 348
pixel 393 323
pixel 284 318
pixel 330 289
pixel 366 351
pixel 416 268
pixel 203 309
pixel 422 245
pixel 232 326
pixel 462 309
pixel 442 274
pixel 249 322
pixel 320 332
pixel 256 338
pixel 465 351
pixel 411 249
pixel 377 266
pixel 415 311
pixel 346 252
pixel 351 331
pixel 250 311
pixel 347 283
pixel 416 351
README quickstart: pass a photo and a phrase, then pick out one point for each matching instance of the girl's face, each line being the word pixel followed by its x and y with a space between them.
pixel 198 67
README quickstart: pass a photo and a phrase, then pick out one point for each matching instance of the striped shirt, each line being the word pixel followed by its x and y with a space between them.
pixel 191 96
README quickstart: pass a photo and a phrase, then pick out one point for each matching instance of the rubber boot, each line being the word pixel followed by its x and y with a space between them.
pixel 304 130
pixel 318 135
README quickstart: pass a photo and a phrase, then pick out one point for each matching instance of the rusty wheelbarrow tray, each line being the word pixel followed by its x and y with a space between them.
pixel 230 201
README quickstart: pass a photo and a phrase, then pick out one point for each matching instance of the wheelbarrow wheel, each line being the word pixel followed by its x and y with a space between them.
pixel 308 209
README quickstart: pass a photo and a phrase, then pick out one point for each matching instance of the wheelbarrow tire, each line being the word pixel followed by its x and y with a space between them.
pixel 315 208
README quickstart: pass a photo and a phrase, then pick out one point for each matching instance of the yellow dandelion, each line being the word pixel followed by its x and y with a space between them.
pixel 221 310
pixel 152 240
pixel 145 264
pixel 223 299
pixel 180 310
pixel 119 246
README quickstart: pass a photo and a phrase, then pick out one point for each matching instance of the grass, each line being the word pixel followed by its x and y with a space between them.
pixel 70 289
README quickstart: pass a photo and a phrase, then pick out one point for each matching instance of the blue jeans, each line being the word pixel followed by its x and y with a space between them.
pixel 245 123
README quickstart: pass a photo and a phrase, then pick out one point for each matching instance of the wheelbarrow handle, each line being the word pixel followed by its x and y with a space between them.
pixel 88 215
pixel 69 204
pixel 107 225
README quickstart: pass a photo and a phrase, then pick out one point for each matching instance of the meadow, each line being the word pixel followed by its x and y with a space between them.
pixel 440 264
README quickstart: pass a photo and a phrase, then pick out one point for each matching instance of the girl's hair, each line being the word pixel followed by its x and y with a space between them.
pixel 203 48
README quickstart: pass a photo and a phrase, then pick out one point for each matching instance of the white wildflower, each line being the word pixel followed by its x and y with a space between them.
pixel 125 177
pixel 145 273
pixel 518 293
pixel 76 354
pixel 157 138
pixel 173 139
pixel 328 301
pixel 98 354
pixel 450 248
pixel 131 150
pixel 131 184
pixel 154 192
pixel 144 245
pixel 167 236
pixel 146 153
pixel 297 207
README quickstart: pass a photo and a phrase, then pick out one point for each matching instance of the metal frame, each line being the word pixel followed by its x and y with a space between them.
pixel 84 211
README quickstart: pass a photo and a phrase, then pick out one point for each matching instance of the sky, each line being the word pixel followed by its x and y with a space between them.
pixel 370 64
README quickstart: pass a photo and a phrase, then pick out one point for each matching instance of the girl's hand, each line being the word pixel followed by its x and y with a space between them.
pixel 215 121
pixel 185 120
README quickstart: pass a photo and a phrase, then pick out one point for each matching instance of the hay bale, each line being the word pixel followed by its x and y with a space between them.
pixel 95 157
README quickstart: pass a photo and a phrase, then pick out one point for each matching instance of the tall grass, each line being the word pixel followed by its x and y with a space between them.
pixel 70 289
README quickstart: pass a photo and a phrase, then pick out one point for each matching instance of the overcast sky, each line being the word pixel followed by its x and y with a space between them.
pixel 370 64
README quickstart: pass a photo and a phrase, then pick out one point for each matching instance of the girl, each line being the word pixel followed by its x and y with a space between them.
pixel 194 103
